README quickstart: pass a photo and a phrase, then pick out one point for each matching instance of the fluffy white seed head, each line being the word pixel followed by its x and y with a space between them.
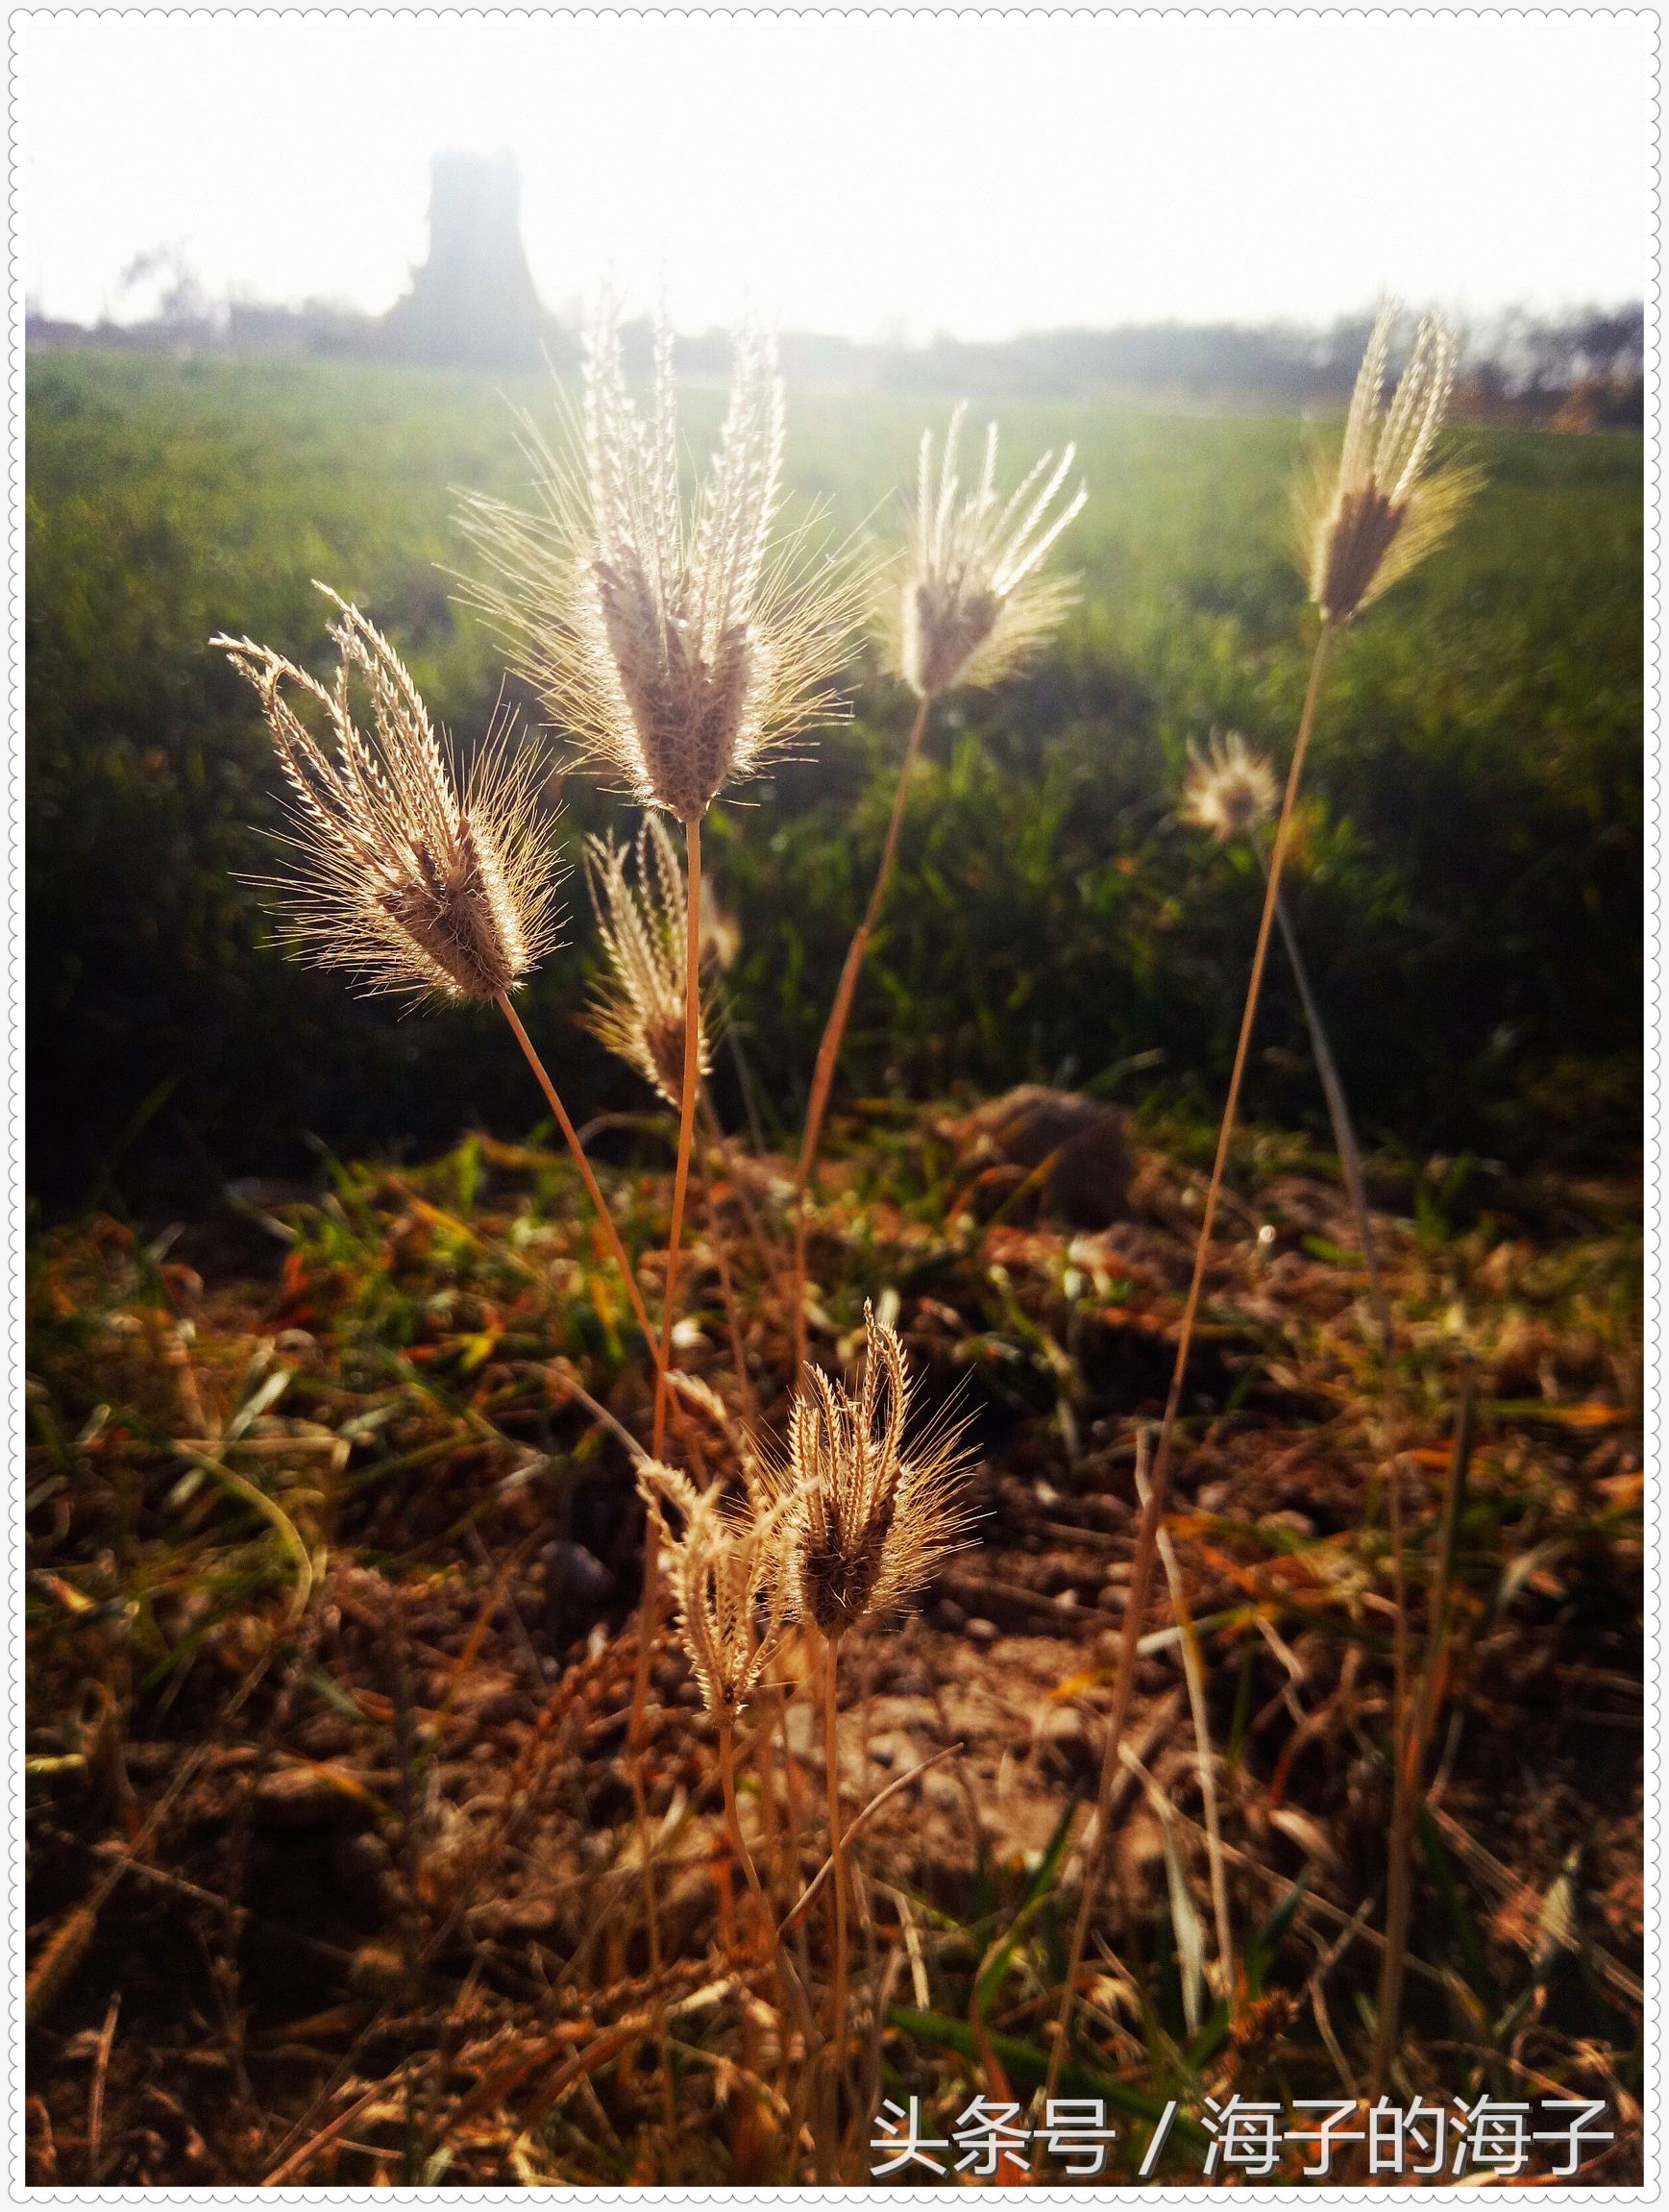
pixel 726 1584
pixel 639 1010
pixel 1366 524
pixel 677 646
pixel 394 875
pixel 1228 789
pixel 868 1514
pixel 975 603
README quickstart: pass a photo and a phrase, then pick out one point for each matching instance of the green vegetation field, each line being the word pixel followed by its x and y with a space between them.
pixel 1470 882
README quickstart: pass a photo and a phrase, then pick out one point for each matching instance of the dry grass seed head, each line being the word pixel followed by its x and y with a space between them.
pixel 679 648
pixel 867 1519
pixel 1364 525
pixel 975 604
pixel 395 876
pixel 1228 789
pixel 639 1012
pixel 726 1583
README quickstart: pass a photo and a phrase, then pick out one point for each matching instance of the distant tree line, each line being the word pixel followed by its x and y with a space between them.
pixel 1583 369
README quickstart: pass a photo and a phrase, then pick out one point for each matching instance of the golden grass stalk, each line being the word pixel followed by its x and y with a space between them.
pixel 731 1602
pixel 395 875
pixel 1367 534
pixel 1231 790
pixel 677 646
pixel 1149 1527
pixel 973 607
pixel 866 1518
pixel 1206 1759
pixel 1410 1741
pixel 727 1290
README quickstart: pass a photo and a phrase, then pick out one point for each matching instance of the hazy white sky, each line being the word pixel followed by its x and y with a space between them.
pixel 905 175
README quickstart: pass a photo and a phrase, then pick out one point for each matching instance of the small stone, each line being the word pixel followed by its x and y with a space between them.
pixel 1294 1523
pixel 948 1615
pixel 981 1632
pixel 1110 1600
pixel 576 1577
pixel 1065 1745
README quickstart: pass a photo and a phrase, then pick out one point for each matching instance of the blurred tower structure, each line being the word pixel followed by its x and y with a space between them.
pixel 473 301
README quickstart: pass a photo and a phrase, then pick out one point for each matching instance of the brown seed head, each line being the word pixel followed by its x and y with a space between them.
pixel 866 1521
pixel 1228 789
pixel 639 1011
pixel 974 605
pixel 726 1584
pixel 1365 525
pixel 395 876
pixel 678 648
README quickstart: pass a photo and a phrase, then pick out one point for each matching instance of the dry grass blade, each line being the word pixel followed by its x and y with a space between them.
pixel 1147 1531
pixel 1205 1757
pixel 856 1826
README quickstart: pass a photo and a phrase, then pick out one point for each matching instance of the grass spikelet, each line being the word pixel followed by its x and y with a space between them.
pixel 1363 525
pixel 730 1597
pixel 1228 789
pixel 975 604
pixel 678 647
pixel 867 1519
pixel 396 877
pixel 639 1011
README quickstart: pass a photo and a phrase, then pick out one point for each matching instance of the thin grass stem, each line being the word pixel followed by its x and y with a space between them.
pixel 1407 1749
pixel 1343 1128
pixel 727 1289
pixel 604 1218
pixel 837 1872
pixel 828 1052
pixel 1147 1531
pixel 692 1083
pixel 788 1980
pixel 1409 1744
pixel 1194 1674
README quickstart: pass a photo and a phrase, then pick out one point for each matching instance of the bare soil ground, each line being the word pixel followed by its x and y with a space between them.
pixel 334 1864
